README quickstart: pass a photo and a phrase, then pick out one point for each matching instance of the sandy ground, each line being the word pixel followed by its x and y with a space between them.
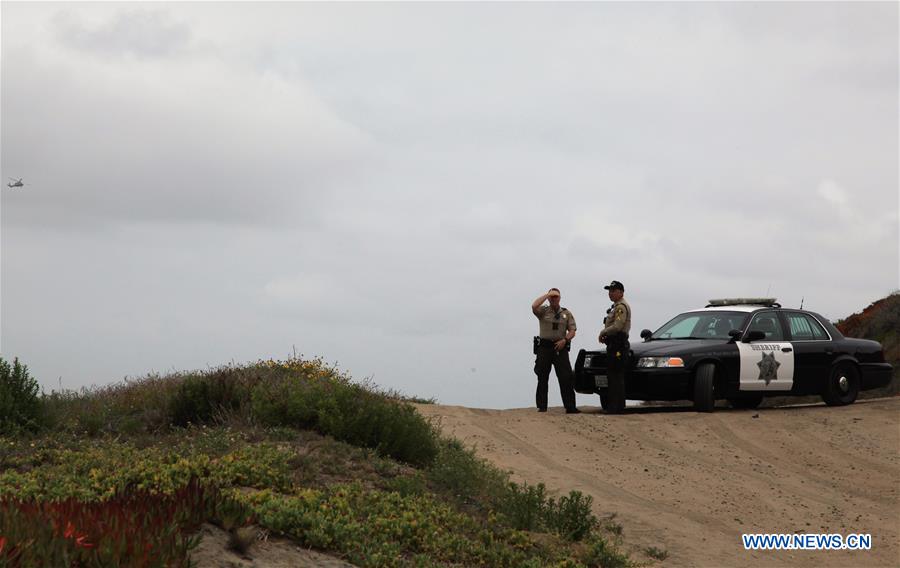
pixel 692 483
pixel 266 552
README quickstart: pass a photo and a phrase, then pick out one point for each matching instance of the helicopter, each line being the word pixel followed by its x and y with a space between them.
pixel 15 183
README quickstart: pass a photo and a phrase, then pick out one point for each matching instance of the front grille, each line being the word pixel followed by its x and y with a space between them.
pixel 595 361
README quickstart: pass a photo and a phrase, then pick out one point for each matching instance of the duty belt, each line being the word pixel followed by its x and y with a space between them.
pixel 617 339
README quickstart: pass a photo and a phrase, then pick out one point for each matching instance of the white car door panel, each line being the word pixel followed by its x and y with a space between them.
pixel 766 366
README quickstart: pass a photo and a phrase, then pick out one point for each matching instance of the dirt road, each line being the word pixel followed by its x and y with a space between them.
pixel 692 483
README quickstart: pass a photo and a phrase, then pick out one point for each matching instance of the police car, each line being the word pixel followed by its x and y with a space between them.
pixel 741 350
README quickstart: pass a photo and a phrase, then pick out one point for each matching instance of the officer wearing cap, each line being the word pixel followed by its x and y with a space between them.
pixel 557 328
pixel 616 326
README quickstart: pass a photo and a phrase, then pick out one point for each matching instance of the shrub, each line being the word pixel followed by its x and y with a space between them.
pixel 525 506
pixel 473 482
pixel 408 485
pixel 459 473
pixel 303 394
pixel 351 413
pixel 201 398
pixel 605 555
pixel 291 401
pixel 612 525
pixel 20 407
pixel 571 516
pixel 657 553
pixel 191 403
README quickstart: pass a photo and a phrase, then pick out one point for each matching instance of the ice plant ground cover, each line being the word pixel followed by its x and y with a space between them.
pixel 136 528
pixel 124 475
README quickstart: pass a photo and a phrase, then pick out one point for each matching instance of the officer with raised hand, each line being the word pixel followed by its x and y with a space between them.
pixel 616 326
pixel 551 347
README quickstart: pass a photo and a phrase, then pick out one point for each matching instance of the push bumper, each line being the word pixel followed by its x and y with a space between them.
pixel 640 384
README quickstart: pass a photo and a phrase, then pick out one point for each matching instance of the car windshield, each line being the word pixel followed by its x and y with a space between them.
pixel 701 325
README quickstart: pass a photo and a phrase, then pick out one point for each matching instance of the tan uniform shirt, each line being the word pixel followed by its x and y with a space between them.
pixel 554 325
pixel 618 320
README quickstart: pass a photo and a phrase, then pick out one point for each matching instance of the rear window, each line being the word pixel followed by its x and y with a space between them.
pixel 805 327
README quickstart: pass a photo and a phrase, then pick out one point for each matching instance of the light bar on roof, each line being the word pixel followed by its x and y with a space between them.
pixel 744 302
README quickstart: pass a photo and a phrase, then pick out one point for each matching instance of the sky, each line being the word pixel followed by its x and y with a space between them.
pixel 389 186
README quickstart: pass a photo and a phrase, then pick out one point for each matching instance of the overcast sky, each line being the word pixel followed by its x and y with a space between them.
pixel 389 186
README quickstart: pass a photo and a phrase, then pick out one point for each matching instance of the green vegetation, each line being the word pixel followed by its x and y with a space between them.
pixel 656 553
pixel 125 475
pixel 19 403
pixel 349 412
pixel 140 528
pixel 603 554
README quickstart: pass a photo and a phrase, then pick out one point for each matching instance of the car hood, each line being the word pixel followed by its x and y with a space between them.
pixel 674 347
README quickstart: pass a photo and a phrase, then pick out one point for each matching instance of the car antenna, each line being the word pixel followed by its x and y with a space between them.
pixel 801 303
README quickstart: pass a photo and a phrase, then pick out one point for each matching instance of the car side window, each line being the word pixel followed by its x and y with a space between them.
pixel 767 322
pixel 718 327
pixel 805 328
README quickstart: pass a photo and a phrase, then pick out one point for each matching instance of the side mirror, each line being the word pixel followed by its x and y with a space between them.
pixel 734 334
pixel 646 333
pixel 754 335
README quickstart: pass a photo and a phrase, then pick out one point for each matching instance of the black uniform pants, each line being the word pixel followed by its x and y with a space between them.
pixel 617 354
pixel 548 357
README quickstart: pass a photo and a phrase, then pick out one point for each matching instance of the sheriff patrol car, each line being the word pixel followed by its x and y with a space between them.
pixel 741 350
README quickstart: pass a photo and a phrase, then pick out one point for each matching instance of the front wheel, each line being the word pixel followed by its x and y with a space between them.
pixel 704 398
pixel 842 386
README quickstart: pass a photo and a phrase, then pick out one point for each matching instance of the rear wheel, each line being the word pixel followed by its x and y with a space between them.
pixel 704 398
pixel 746 402
pixel 842 386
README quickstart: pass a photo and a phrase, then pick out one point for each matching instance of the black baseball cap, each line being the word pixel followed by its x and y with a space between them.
pixel 615 285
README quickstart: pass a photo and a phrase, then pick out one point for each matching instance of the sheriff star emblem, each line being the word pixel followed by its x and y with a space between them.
pixel 768 368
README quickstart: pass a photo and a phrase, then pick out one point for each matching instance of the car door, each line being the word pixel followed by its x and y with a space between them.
pixel 813 351
pixel 767 364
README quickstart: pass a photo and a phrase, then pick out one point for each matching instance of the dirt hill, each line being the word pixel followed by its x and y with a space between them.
pixel 691 483
pixel 881 322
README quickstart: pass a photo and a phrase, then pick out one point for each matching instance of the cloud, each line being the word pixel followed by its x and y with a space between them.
pixel 195 139
pixel 833 193
pixel 391 185
pixel 142 33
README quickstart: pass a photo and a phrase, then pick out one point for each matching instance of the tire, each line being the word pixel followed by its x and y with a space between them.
pixel 842 386
pixel 704 397
pixel 746 402
pixel 615 396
